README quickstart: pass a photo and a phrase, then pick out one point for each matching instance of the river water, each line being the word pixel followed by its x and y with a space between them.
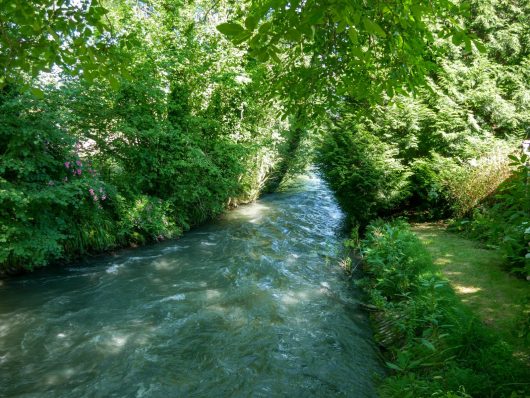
pixel 252 305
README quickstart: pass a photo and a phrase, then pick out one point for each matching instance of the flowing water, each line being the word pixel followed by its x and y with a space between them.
pixel 253 305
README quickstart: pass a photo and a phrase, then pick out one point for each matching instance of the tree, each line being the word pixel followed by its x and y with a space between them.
pixel 73 35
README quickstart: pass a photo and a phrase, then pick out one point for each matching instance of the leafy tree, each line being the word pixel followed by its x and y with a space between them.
pixel 37 35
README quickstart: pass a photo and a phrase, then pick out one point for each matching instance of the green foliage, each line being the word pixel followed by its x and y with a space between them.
pixel 87 167
pixel 434 346
pixel 39 34
pixel 45 186
pixel 394 257
pixel 449 145
pixel 147 219
pixel 364 173
pixel 504 222
pixel 362 49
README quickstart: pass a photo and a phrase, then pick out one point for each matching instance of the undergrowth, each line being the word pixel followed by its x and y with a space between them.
pixel 433 345
pixel 504 221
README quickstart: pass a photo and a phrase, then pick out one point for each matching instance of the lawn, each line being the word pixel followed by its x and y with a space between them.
pixel 478 279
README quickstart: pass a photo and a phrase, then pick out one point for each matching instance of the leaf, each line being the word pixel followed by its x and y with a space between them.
pixel 114 83
pixel 457 38
pixel 275 57
pixel 354 36
pixel 251 22
pixel 467 43
pixel 393 366
pixel 373 27
pixel 428 344
pixel 263 29
pixel 230 29
pixel 241 38
pixel 293 35
pixel 37 92
pixel 480 46
pixel 263 57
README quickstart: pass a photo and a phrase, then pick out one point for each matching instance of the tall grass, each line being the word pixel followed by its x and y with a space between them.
pixel 475 180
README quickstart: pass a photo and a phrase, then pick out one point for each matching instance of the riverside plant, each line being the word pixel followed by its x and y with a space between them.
pixel 433 345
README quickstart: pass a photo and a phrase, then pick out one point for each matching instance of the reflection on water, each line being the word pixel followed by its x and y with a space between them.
pixel 251 305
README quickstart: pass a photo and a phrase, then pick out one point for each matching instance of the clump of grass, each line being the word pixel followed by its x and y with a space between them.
pixel 433 344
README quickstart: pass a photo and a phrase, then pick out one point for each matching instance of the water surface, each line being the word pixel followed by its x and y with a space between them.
pixel 253 305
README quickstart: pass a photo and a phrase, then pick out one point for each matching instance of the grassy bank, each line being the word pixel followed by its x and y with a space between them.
pixel 433 342
pixel 499 299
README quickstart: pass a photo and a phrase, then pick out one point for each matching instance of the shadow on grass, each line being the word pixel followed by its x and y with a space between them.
pixel 477 278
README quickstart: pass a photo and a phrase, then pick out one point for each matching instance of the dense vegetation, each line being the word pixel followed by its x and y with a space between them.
pixel 447 150
pixel 434 345
pixel 124 122
pixel 174 140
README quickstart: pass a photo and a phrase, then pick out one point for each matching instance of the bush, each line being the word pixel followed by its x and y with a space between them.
pixel 394 258
pixel 48 202
pixel 504 222
pixel 364 173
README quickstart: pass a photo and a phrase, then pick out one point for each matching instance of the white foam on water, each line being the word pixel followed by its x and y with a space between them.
pixel 114 268
pixel 172 249
pixel 176 297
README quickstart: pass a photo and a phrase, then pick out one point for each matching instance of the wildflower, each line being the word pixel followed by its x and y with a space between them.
pixel 91 191
pixel 78 172
pixel 104 197
pixel 67 165
pixel 50 183
pixel 78 162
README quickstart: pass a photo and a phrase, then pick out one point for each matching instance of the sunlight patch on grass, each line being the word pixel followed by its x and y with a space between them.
pixel 476 275
pixel 466 289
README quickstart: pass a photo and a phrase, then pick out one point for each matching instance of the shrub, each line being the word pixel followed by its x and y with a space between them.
pixel 364 173
pixel 473 181
pixel 52 202
pixel 504 222
pixel 394 258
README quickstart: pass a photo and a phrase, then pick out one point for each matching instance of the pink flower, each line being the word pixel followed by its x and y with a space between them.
pixel 91 191
pixel 78 162
pixel 104 197
pixel 95 198
pixel 67 165
pixel 78 172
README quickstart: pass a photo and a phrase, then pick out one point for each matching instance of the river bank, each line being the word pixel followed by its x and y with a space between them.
pixel 434 342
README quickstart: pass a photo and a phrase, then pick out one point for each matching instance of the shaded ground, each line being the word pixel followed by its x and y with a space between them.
pixel 477 278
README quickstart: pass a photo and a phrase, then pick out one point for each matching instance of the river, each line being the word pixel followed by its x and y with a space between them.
pixel 251 305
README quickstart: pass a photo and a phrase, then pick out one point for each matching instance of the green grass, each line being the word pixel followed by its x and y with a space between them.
pixel 477 278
